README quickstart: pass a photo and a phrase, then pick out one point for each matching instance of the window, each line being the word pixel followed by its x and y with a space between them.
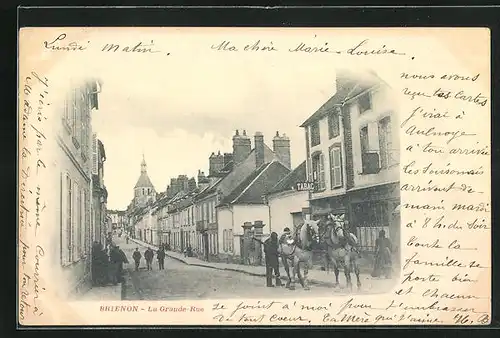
pixel 365 102
pixel 315 136
pixel 363 134
pixel 333 125
pixel 318 171
pixel 387 153
pixel 336 167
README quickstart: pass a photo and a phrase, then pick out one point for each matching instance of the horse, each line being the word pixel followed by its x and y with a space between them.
pixel 297 250
pixel 341 249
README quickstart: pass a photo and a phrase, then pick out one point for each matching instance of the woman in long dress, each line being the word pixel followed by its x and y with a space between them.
pixel 383 256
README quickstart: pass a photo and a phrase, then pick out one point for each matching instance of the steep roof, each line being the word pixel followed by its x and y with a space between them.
pixel 144 181
pixel 350 88
pixel 299 174
pixel 257 184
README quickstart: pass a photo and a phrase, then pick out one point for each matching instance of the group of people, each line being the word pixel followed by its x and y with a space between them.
pixel 382 262
pixel 148 256
pixel 107 265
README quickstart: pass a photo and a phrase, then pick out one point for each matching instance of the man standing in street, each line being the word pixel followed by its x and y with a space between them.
pixel 160 254
pixel 137 258
pixel 148 255
pixel 272 264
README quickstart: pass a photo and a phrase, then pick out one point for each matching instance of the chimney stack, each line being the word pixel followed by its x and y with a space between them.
pixel 216 162
pixel 281 149
pixel 259 149
pixel 228 157
pixel 241 147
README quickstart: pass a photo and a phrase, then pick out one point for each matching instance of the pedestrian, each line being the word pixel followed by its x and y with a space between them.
pixel 98 264
pixel 383 253
pixel 148 255
pixel 160 254
pixel 137 258
pixel 271 258
pixel 117 258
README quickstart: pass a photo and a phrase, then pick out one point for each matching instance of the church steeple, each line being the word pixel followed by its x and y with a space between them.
pixel 144 167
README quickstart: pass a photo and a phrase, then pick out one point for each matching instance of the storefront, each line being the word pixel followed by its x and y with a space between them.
pixel 372 210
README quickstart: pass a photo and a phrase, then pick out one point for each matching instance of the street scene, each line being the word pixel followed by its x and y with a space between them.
pixel 307 205
pixel 181 280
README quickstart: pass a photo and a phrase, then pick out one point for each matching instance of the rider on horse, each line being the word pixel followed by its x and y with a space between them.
pixel 286 236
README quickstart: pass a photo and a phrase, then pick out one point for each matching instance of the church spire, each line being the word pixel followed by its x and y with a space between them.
pixel 144 168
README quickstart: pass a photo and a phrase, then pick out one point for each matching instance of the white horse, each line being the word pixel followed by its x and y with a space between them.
pixel 342 249
pixel 297 251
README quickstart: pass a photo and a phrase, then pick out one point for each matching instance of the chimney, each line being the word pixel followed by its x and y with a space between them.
pixel 344 78
pixel 259 149
pixel 241 147
pixel 228 157
pixel 174 186
pixel 192 184
pixel 281 149
pixel 216 162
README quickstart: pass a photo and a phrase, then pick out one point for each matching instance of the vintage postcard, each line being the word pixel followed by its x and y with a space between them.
pixel 254 176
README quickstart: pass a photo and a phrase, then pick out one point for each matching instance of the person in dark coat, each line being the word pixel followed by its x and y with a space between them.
pixel 383 253
pixel 148 255
pixel 160 254
pixel 117 258
pixel 271 257
pixel 137 258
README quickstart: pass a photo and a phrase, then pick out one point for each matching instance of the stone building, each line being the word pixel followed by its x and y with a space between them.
pixel 77 164
pixel 352 149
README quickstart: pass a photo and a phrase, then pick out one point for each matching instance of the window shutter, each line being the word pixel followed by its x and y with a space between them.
pixel 336 167
pixel 322 171
pixel 95 154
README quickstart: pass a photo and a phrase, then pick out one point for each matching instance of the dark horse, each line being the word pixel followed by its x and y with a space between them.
pixel 341 249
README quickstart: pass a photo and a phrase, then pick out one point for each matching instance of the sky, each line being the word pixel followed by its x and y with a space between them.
pixel 177 109
pixel 181 104
pixel 178 113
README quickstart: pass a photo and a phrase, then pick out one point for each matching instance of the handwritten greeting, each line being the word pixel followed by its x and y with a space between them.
pixel 35 103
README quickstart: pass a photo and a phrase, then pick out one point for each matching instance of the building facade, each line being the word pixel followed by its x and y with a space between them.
pixel 246 203
pixel 353 156
pixel 99 193
pixel 76 160
pixel 286 201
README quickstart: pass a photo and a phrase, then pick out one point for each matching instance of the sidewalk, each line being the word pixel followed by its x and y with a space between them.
pixel 315 276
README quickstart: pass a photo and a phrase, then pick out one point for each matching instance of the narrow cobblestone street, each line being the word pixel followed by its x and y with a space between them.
pixel 183 281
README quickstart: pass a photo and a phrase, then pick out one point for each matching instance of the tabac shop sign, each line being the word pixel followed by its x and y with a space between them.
pixel 305 186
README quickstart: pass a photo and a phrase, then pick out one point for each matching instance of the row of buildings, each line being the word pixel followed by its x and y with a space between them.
pixel 352 165
pixel 82 194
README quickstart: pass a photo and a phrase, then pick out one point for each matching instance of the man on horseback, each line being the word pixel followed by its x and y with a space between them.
pixel 286 236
